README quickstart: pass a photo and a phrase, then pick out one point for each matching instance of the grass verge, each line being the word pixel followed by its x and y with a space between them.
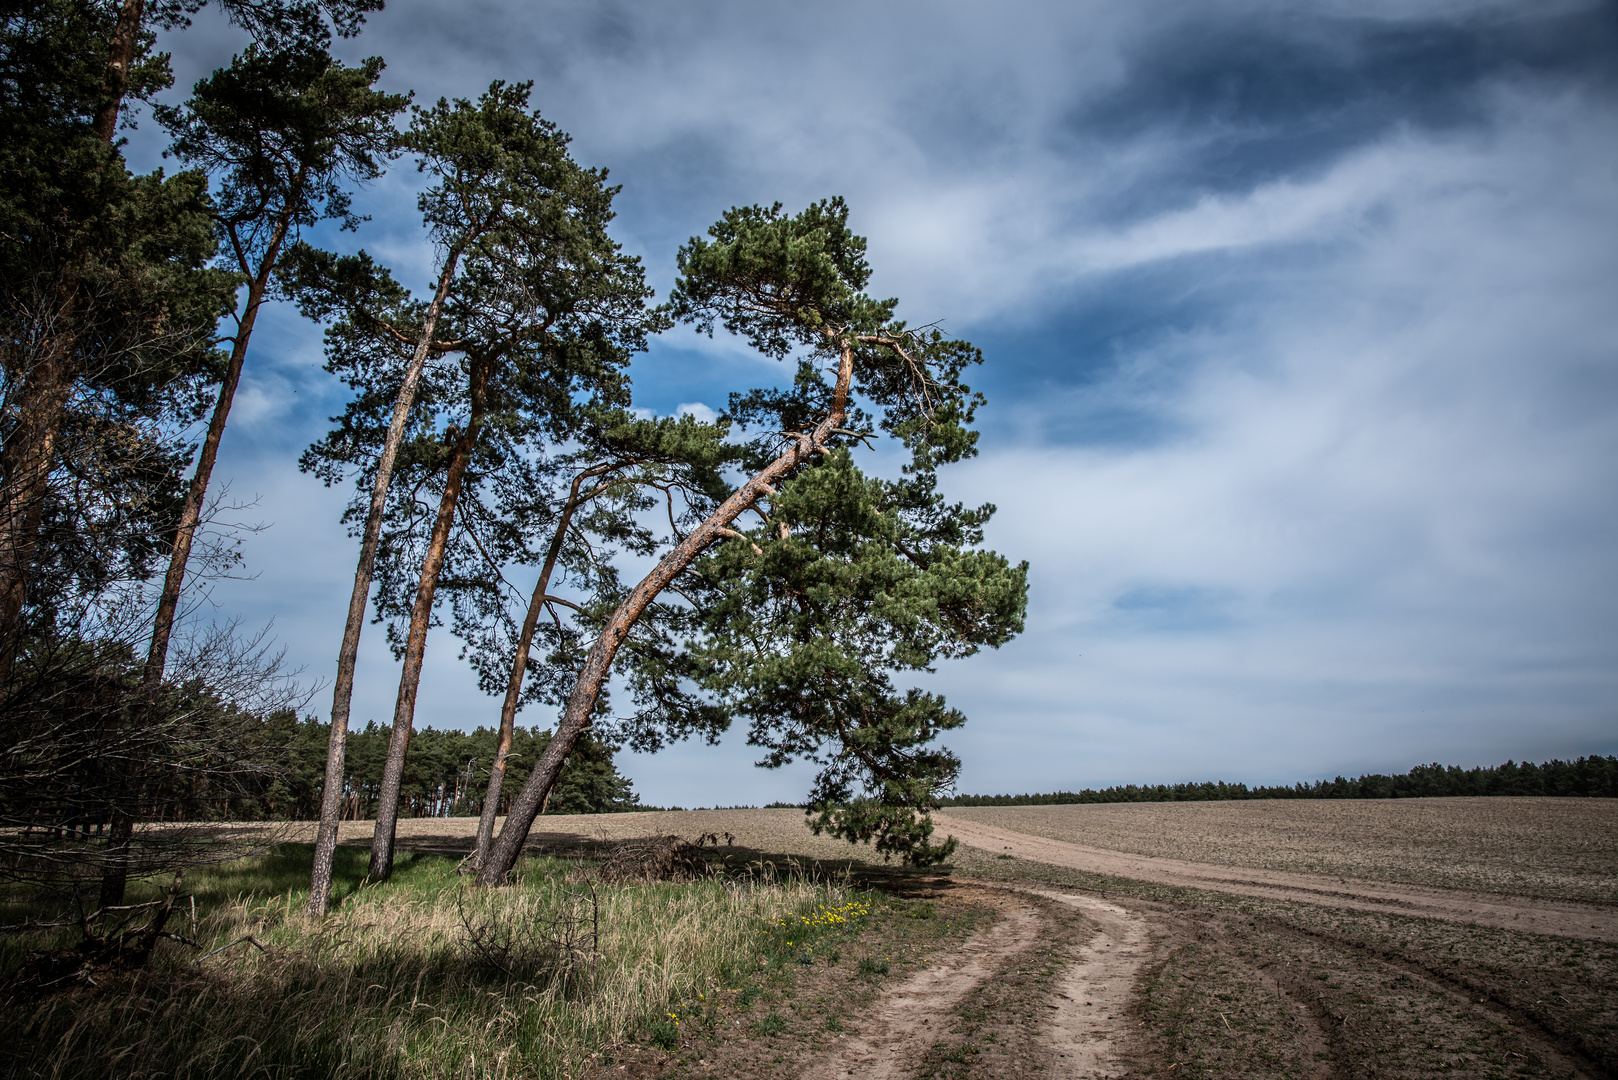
pixel 424 975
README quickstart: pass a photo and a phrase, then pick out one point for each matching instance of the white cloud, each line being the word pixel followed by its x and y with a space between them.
pixel 696 409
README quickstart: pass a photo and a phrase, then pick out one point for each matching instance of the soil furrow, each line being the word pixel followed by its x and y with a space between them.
pixel 1564 1050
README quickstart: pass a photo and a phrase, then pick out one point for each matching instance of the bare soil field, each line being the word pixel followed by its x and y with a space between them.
pixel 1531 913
pixel 1091 951
pixel 1557 848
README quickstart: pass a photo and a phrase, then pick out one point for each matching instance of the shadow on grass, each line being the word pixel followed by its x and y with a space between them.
pixel 401 1001
pixel 285 869
pixel 895 878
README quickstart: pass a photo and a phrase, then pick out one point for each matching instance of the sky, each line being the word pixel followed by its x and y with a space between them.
pixel 1301 335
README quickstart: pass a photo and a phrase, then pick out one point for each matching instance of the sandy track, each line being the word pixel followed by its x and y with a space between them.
pixel 1558 918
pixel 1087 1027
pixel 1082 1034
pixel 912 1016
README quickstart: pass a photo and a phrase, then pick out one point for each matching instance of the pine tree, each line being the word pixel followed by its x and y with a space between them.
pixel 90 250
pixel 800 619
pixel 283 134
pixel 536 328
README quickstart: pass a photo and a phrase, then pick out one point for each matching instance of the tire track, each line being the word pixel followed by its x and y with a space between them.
pixel 1564 1050
pixel 904 1023
pixel 1086 1032
pixel 1320 1031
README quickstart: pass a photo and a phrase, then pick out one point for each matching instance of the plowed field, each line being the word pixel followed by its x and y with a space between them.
pixel 1558 848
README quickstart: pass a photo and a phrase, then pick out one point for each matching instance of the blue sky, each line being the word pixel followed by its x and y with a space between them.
pixel 1302 334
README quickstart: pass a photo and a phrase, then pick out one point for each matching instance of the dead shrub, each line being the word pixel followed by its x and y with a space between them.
pixel 661 858
pixel 111 940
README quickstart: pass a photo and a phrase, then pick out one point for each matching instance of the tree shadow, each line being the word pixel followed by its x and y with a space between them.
pixel 740 860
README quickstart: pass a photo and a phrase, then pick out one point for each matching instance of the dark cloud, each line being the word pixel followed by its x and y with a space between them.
pixel 1250 99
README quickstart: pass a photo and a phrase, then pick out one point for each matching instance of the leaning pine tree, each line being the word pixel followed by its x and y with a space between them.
pixel 574 514
pixel 843 578
pixel 539 325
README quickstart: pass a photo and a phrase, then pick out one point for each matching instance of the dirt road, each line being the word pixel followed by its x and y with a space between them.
pixel 911 1016
pixel 1047 989
pixel 1088 1025
pixel 1559 918
pixel 1384 980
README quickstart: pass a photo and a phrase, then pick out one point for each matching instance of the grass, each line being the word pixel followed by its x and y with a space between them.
pixel 772 1024
pixel 389 985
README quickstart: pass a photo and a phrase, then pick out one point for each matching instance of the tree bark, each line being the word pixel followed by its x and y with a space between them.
pixel 519 666
pixel 421 616
pixel 191 513
pixel 120 55
pixel 343 692
pixel 115 868
pixel 29 456
pixel 598 665
pixel 26 462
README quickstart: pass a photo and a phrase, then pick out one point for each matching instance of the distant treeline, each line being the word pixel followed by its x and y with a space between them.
pixel 1585 777
pixel 446 773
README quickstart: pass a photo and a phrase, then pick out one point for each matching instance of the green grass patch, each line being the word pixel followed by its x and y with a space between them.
pixel 871 966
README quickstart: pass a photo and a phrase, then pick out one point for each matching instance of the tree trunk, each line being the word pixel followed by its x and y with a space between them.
pixel 115 868
pixel 191 513
pixel 421 617
pixel 114 878
pixel 598 665
pixel 30 454
pixel 120 55
pixel 343 693
pixel 26 462
pixel 519 665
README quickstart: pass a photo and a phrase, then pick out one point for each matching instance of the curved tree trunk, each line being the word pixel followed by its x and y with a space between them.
pixel 421 616
pixel 598 665
pixel 343 692
pixel 519 665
